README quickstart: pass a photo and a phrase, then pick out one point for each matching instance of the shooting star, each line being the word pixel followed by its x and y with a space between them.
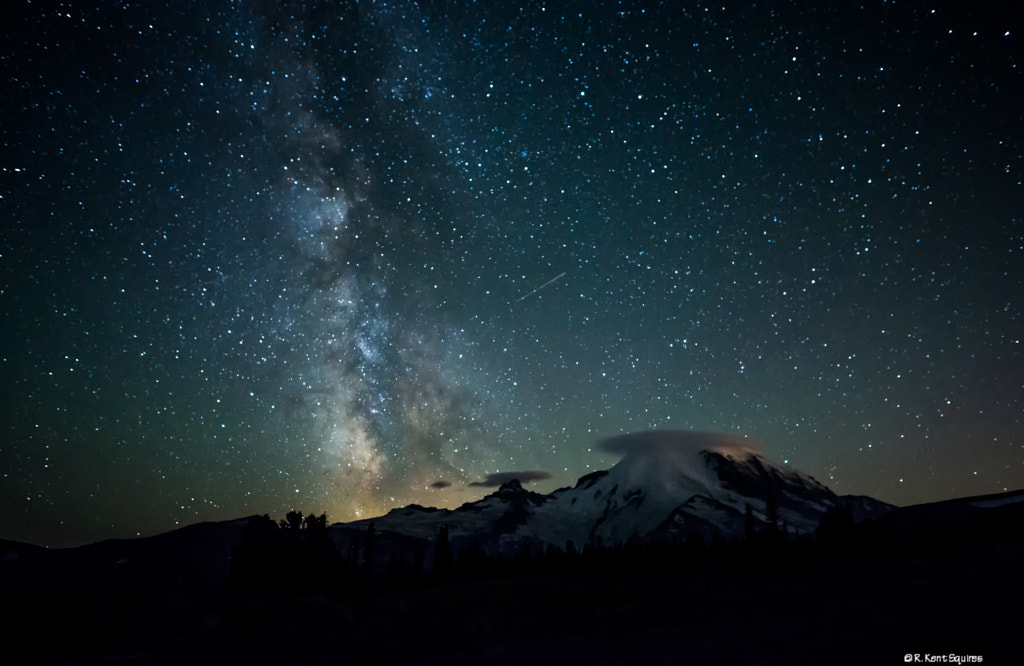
pixel 554 279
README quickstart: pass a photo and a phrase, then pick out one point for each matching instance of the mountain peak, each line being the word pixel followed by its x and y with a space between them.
pixel 512 491
pixel 667 485
pixel 511 485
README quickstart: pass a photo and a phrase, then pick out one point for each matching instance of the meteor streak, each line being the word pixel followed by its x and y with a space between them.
pixel 557 277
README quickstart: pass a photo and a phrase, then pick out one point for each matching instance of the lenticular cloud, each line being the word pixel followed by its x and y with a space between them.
pixel 685 442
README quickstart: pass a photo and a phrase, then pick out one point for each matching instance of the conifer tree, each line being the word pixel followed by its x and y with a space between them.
pixel 442 553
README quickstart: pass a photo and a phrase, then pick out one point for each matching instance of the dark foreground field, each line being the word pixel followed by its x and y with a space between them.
pixel 864 611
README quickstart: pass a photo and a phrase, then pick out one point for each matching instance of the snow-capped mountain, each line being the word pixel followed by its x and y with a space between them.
pixel 668 485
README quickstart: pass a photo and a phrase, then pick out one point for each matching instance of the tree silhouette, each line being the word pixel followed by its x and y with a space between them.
pixel 442 553
pixel 312 522
pixel 354 548
pixel 292 521
pixel 771 514
pixel 749 524
pixel 368 552
pixel 293 556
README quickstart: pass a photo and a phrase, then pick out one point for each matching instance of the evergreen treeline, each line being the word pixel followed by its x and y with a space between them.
pixel 295 556
pixel 299 556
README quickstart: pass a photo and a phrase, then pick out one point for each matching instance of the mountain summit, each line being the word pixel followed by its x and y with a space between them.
pixel 668 485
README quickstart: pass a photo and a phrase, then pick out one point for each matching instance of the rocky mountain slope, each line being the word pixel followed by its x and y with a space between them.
pixel 668 485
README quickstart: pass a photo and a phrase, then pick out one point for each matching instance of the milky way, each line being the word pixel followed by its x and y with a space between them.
pixel 346 256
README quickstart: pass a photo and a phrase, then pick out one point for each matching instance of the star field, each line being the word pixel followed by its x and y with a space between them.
pixel 347 256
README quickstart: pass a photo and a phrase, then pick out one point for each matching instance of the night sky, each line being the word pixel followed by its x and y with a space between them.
pixel 344 257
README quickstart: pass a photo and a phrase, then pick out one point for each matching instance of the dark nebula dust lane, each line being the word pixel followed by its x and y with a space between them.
pixel 347 256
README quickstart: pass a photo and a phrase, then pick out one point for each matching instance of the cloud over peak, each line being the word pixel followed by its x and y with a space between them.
pixel 498 478
pixel 654 442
